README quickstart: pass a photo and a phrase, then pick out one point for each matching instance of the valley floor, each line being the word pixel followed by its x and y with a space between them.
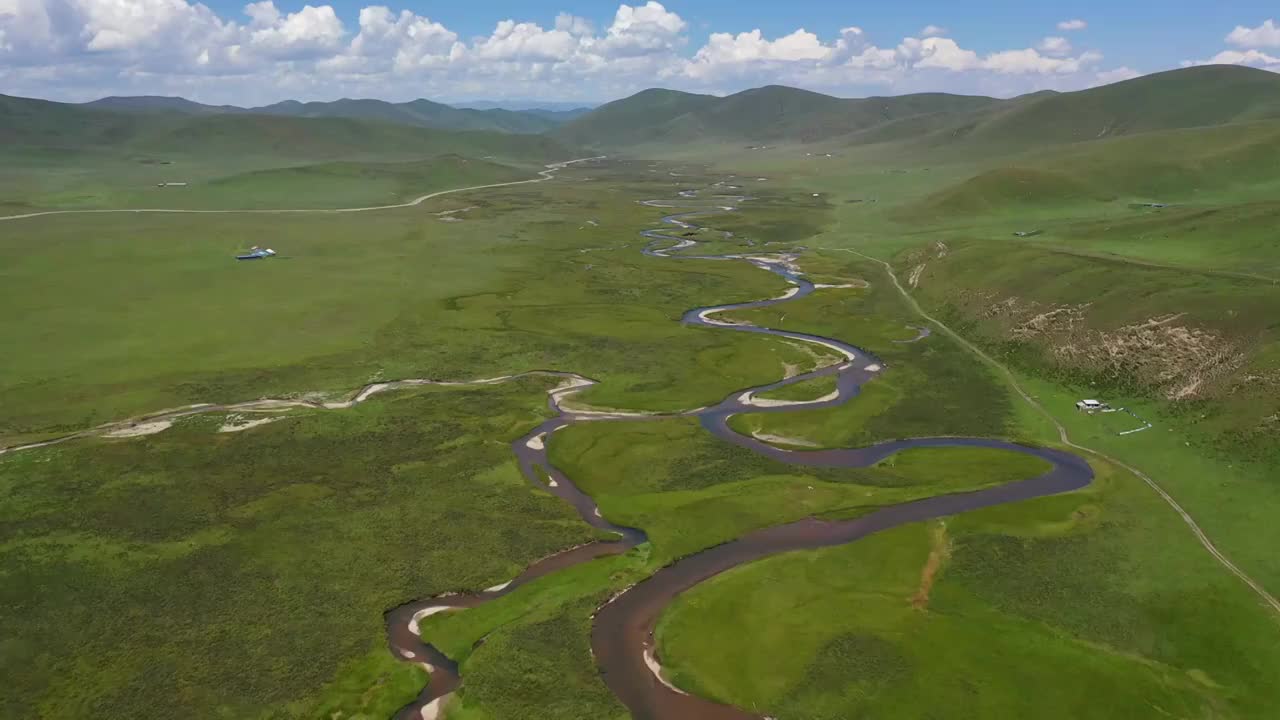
pixel 251 562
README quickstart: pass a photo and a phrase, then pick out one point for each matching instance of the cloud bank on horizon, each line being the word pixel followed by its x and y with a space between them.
pixel 1251 45
pixel 81 49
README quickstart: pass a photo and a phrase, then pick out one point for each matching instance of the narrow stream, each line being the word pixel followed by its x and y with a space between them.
pixel 622 634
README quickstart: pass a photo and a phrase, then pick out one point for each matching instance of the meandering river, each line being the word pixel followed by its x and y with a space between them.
pixel 622 634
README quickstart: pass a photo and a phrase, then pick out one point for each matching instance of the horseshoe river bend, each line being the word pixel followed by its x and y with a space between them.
pixel 622 634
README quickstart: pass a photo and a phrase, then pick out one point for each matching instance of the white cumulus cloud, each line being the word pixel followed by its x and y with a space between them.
pixel 1252 58
pixel 1030 61
pixel 512 41
pixel 311 31
pixel 1072 25
pixel 1253 42
pixel 938 53
pixel 401 42
pixel 78 49
pixel 1106 77
pixel 1266 35
pixel 1055 46
pixel 642 30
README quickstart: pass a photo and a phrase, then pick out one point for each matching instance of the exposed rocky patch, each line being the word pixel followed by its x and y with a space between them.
pixel 1168 353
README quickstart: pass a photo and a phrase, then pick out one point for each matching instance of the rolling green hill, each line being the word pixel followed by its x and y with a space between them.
pixel 26 124
pixel 39 123
pixel 768 114
pixel 157 103
pixel 1195 97
pixel 1187 98
pixel 36 123
pixel 55 155
pixel 335 138
pixel 1194 165
pixel 632 120
pixel 332 184
pixel 1007 188
pixel 420 113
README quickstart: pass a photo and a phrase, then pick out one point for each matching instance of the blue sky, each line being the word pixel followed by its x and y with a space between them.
pixel 1151 35
pixel 230 51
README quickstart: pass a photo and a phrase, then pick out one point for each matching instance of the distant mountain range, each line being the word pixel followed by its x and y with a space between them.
pixel 526 105
pixel 289 132
pixel 1186 98
pixel 1189 98
pixel 420 113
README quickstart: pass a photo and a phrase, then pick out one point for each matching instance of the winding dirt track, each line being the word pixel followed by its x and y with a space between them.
pixel 622 633
pixel 543 176
pixel 1196 530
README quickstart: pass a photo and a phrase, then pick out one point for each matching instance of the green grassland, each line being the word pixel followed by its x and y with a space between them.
pixel 1213 452
pixel 1170 310
pixel 245 574
pixel 804 390
pixel 326 185
pixel 934 122
pixel 1097 603
pixel 155 313
pixel 931 387
pixel 537 303
pixel 1131 621
pixel 1066 595
pixel 57 156
pixel 44 180
pixel 690 491
pixel 696 494
pixel 772 215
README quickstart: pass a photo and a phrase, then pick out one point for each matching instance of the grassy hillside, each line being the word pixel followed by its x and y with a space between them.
pixel 636 119
pixel 1201 173
pixel 56 155
pixel 938 122
pixel 1006 189
pixel 1182 164
pixel 317 138
pixel 32 123
pixel 420 113
pixel 156 103
pixel 27 124
pixel 329 185
pixel 1185 98
pixel 768 114
pixel 759 114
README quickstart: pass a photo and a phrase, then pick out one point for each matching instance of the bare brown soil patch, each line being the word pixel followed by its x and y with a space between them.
pixel 939 551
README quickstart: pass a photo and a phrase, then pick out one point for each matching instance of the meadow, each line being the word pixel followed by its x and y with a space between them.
pixel 156 313
pixel 1067 595
pixel 689 491
pixel 211 544
pixel 245 574
pixel 207 542
pixel 1106 587
pixel 236 182
pixel 1169 311
pixel 57 156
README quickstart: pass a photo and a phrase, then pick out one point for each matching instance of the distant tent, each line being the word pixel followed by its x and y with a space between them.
pixel 257 253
